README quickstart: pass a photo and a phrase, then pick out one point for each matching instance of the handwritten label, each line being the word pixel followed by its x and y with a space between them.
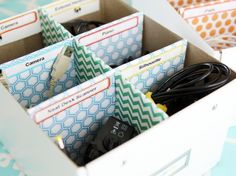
pixel 152 62
pixel 18 22
pixel 71 100
pixel 109 31
pixel 72 9
pixel 208 9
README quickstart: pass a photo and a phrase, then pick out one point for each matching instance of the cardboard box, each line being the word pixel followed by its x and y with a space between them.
pixel 184 144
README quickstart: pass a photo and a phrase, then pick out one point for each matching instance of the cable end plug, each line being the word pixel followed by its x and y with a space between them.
pixel 160 106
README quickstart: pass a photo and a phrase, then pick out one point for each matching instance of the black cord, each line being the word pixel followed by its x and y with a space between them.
pixel 126 60
pixel 81 26
pixel 190 84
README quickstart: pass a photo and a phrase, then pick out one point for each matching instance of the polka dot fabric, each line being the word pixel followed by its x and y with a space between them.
pixel 215 21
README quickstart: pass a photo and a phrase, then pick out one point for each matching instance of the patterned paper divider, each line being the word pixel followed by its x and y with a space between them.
pixel 87 65
pixel 147 72
pixel 29 76
pixel 52 31
pixel 78 113
pixel 115 41
pixel 150 71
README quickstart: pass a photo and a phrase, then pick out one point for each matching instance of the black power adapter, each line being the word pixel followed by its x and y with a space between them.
pixel 114 133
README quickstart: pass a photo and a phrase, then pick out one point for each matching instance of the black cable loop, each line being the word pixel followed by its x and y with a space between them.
pixel 191 84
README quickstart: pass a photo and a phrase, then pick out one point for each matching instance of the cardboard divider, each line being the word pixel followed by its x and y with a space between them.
pixel 150 71
pixel 52 31
pixel 29 76
pixel 115 41
pixel 78 113
pixel 111 41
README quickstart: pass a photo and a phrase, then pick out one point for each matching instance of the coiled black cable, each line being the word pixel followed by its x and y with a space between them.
pixel 191 84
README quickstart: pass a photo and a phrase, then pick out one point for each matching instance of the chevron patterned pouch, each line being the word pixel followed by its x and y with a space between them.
pixel 78 113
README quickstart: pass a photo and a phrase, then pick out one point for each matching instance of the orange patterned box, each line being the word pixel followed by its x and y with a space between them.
pixel 184 3
pixel 214 21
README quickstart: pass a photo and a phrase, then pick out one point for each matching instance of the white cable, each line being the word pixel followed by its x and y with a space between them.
pixel 60 66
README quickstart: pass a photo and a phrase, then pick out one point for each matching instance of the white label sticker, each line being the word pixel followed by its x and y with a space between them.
pixel 18 22
pixel 18 68
pixel 71 100
pixel 209 9
pixel 64 11
pixel 151 62
pixel 109 31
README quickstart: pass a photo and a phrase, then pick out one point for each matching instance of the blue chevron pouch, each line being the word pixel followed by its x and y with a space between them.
pixel 29 76
pixel 78 113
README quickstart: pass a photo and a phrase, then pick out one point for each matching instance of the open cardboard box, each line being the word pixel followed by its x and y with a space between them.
pixel 188 143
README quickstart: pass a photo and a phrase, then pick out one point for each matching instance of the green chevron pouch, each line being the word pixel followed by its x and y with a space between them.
pixel 78 113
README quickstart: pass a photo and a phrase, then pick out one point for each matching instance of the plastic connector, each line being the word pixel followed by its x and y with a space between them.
pixel 59 142
pixel 60 66
pixel 160 106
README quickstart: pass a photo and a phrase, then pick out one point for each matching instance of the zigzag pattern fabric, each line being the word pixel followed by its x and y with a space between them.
pixel 52 31
pixel 133 107
pixel 87 65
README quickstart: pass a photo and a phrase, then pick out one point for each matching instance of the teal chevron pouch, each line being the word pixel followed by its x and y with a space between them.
pixel 78 113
